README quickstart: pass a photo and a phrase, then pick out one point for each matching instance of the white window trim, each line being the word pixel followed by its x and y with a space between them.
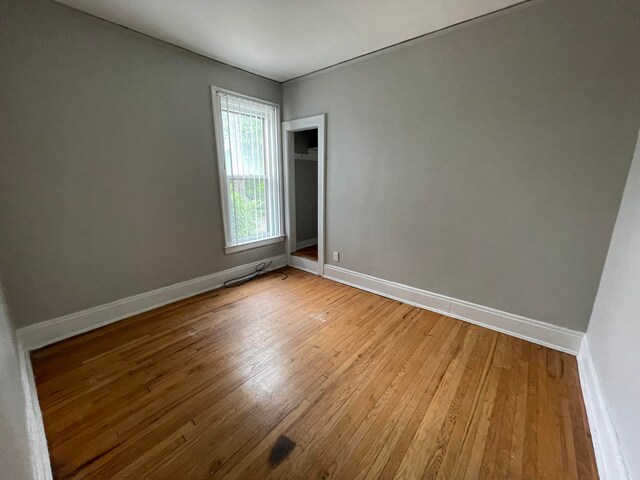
pixel 253 244
pixel 217 128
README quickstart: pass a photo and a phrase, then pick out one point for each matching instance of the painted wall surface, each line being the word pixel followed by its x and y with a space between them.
pixel 614 328
pixel 15 452
pixel 306 185
pixel 486 163
pixel 109 180
pixel 306 181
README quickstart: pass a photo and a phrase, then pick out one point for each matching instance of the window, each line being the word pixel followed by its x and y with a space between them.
pixel 250 175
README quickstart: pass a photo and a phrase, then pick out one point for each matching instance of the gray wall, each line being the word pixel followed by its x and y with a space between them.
pixel 108 183
pixel 15 453
pixel 614 329
pixel 306 185
pixel 306 181
pixel 486 163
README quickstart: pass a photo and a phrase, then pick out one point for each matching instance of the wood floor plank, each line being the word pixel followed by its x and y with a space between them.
pixel 426 446
pixel 361 386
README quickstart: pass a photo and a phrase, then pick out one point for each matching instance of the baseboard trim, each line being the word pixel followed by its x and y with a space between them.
pixel 609 456
pixel 51 331
pixel 306 243
pixel 41 463
pixel 528 329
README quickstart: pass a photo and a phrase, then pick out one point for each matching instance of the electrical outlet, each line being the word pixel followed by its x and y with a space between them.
pixel 336 256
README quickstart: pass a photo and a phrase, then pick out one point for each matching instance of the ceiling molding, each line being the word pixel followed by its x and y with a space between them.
pixel 299 49
pixel 420 38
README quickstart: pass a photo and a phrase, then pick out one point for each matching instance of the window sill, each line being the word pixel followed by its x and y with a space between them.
pixel 254 244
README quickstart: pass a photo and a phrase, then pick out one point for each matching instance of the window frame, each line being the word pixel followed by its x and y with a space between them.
pixel 222 173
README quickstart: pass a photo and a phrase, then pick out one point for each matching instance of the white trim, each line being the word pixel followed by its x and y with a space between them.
pixel 318 122
pixel 242 95
pixel 534 331
pixel 222 175
pixel 302 263
pixel 609 456
pixel 289 192
pixel 306 243
pixel 35 426
pixel 255 244
pixel 51 331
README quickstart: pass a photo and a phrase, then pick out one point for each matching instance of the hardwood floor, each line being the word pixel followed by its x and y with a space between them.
pixel 310 252
pixel 305 378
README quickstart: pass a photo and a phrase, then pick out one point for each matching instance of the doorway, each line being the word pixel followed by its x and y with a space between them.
pixel 304 145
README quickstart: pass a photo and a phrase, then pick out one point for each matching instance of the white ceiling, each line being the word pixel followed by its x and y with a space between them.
pixel 283 39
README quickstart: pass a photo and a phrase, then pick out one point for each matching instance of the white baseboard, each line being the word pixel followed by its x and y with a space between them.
pixel 534 331
pixel 608 453
pixel 306 243
pixel 303 264
pixel 41 465
pixel 51 331
pixel 609 456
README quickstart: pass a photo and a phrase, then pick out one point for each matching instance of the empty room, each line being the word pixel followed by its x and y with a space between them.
pixel 301 240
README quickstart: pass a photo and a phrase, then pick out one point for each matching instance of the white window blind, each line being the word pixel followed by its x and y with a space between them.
pixel 247 137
